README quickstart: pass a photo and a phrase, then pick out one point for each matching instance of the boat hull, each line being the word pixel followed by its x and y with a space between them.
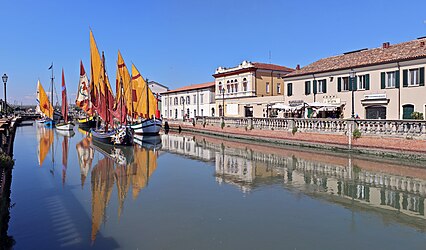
pixel 147 127
pixel 86 123
pixel 122 136
pixel 49 123
pixel 148 141
pixel 65 126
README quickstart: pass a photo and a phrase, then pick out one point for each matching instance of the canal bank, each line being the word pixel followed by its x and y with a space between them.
pixel 396 139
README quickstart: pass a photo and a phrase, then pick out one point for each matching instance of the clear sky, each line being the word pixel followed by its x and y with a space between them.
pixel 182 42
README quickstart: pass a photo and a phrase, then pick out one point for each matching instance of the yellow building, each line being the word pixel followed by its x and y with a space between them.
pixel 247 89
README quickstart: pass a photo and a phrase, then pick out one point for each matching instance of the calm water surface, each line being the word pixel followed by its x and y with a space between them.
pixel 182 191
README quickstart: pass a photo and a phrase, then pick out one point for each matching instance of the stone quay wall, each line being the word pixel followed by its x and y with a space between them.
pixel 395 138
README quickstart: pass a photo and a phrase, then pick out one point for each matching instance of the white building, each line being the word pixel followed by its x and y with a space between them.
pixel 189 101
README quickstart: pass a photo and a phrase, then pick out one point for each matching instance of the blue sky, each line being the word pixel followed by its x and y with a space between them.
pixel 179 43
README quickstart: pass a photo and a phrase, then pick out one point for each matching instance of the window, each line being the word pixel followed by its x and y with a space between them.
pixel 176 101
pixel 279 88
pixel 407 110
pixel 307 87
pixel 195 113
pixel 289 89
pixel 244 84
pixel 195 99
pixel 267 87
pixel 362 82
pixel 170 101
pixel 202 112
pixel 201 98
pixel 390 80
pixel 220 87
pixel 413 77
pixel 345 83
pixel 322 86
pixel 171 113
pixel 188 100
pixel 228 88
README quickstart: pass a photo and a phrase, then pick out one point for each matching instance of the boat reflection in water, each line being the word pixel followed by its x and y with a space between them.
pixel 395 190
pixel 128 168
pixel 45 140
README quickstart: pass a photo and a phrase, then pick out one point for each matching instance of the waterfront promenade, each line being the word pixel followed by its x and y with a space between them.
pixel 395 138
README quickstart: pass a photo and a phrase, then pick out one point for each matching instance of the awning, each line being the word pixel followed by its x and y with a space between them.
pixel 280 106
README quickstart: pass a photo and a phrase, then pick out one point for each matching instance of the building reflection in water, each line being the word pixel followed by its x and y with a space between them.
pixel 6 241
pixel 126 168
pixel 367 184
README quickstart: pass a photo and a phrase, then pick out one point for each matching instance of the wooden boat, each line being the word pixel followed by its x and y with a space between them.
pixel 83 101
pixel 65 125
pixel 44 106
pixel 121 136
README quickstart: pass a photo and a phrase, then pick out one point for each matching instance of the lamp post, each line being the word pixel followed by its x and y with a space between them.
pixel 352 76
pixel 4 78
pixel 223 102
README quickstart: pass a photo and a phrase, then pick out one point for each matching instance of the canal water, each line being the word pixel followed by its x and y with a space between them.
pixel 186 191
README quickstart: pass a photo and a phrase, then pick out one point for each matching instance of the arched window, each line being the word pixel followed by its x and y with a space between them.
pixel 188 100
pixel 220 110
pixel 220 87
pixel 176 101
pixel 212 111
pixel 245 84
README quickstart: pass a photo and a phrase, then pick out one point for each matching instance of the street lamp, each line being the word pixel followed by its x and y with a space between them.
pixel 352 77
pixel 4 78
pixel 223 101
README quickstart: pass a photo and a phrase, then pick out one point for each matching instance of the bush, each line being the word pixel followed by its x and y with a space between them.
pixel 294 130
pixel 417 115
pixel 222 125
pixel 356 133
pixel 6 161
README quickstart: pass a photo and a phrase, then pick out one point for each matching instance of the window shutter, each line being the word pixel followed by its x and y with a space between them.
pixel 422 76
pixel 289 89
pixel 383 80
pixel 367 82
pixel 339 84
pixel 315 86
pixel 397 79
pixel 355 87
pixel 324 86
pixel 405 78
pixel 350 84
pixel 307 88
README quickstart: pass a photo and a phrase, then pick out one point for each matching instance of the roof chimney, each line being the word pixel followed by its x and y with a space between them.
pixel 386 45
pixel 298 67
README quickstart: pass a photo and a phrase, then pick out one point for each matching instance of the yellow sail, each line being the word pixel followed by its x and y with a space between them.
pixel 123 76
pixel 144 101
pixel 45 106
pixel 45 140
pixel 97 68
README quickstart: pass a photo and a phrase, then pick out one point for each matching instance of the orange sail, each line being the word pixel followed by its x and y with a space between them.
pixel 43 101
pixel 144 101
pixel 45 140
pixel 123 76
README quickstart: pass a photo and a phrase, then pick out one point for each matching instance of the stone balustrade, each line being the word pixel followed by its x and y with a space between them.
pixel 397 128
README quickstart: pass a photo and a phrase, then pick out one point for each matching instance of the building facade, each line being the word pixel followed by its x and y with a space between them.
pixel 247 89
pixel 382 83
pixel 189 101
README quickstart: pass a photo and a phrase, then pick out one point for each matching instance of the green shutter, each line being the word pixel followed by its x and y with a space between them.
pixel 289 89
pixel 422 76
pixel 307 83
pixel 405 78
pixel 324 86
pixel 349 84
pixel 367 82
pixel 339 84
pixel 315 86
pixel 383 80
pixel 397 79
pixel 355 87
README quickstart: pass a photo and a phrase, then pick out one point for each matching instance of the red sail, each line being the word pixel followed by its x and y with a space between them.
pixel 64 99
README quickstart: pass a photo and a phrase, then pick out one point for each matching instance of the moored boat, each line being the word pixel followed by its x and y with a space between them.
pixel 147 127
pixel 65 125
pixel 121 136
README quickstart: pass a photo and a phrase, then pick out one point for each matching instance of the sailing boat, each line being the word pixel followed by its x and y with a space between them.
pixel 104 103
pixel 145 104
pixel 83 101
pixel 66 125
pixel 50 122
pixel 43 104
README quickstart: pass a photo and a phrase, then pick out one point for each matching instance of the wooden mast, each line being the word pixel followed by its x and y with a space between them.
pixel 106 93
pixel 147 98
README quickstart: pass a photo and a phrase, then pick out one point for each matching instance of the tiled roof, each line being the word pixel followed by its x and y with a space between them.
pixel 192 87
pixel 393 53
pixel 271 67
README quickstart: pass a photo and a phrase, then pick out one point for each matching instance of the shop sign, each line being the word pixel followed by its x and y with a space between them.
pixel 332 100
pixel 294 103
pixel 374 96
